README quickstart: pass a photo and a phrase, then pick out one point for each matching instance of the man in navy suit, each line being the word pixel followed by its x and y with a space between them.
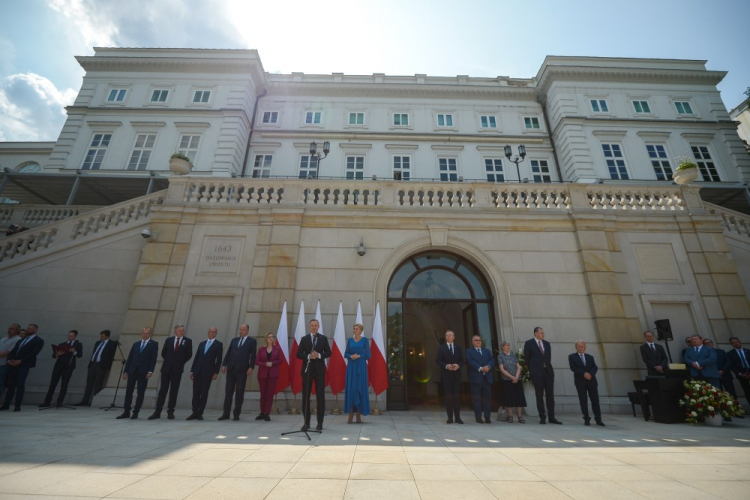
pixel 739 363
pixel 138 369
pixel 538 355
pixel 101 361
pixel 238 365
pixel 64 366
pixel 205 369
pixel 722 364
pixel 313 350
pixel 176 352
pixel 702 362
pixel 479 363
pixel 450 359
pixel 584 371
pixel 20 360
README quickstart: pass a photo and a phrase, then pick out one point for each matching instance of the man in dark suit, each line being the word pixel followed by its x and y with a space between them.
pixel 313 350
pixel 450 359
pixel 739 363
pixel 176 352
pixel 479 364
pixel 238 364
pixel 702 362
pixel 98 367
pixel 20 360
pixel 584 371
pixel 64 366
pixel 205 369
pixel 138 369
pixel 722 363
pixel 654 356
pixel 538 355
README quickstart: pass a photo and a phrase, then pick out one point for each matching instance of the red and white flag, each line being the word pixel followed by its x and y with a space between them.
pixel 295 366
pixel 337 366
pixel 377 368
pixel 282 340
pixel 359 314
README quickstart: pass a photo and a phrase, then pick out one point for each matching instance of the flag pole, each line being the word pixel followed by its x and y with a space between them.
pixel 293 410
pixel 275 409
pixel 336 410
pixel 376 411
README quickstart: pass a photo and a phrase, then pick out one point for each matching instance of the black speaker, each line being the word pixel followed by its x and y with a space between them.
pixel 663 330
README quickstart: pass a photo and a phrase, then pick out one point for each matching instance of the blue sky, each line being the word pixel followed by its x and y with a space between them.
pixel 39 39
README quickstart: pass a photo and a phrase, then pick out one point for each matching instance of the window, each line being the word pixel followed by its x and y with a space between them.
pixel 159 95
pixel 401 168
pixel 202 96
pixel 683 108
pixel 356 118
pixel 30 168
pixel 312 117
pixel 599 106
pixel 660 161
pixel 400 119
pixel 448 169
pixel 144 144
pixel 705 164
pixel 540 171
pixel 95 154
pixel 615 161
pixel 270 116
pixel 444 120
pixel 488 121
pixel 308 167
pixel 531 122
pixel 494 169
pixel 116 95
pixel 262 166
pixel 355 167
pixel 189 145
pixel 641 107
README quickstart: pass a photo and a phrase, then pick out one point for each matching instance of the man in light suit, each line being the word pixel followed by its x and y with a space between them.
pixel 64 366
pixel 176 352
pixel 702 362
pixel 584 371
pixel 20 361
pixel 538 355
pixel 479 363
pixel 654 356
pixel 313 350
pixel 238 364
pixel 739 363
pixel 99 365
pixel 205 369
pixel 138 369
pixel 450 359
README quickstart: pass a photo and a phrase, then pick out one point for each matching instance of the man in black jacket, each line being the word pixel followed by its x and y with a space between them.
pixel 654 356
pixel 204 370
pixel 538 355
pixel 584 371
pixel 66 355
pixel 313 350
pixel 20 361
pixel 450 359
pixel 138 369
pixel 238 364
pixel 98 367
pixel 176 352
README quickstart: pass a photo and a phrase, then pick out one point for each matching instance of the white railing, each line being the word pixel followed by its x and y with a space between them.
pixel 605 197
pixel 30 216
pixel 735 223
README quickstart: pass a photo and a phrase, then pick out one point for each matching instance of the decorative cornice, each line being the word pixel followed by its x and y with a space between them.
pixel 103 123
pixel 349 145
pixel 412 147
pixel 446 147
pixel 646 134
pixel 147 124
pixel 309 135
pixel 192 124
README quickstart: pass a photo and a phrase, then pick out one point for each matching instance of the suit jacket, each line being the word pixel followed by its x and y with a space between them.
pixel 578 369
pixel 654 357
pixel 722 364
pixel 69 359
pixel 444 357
pixel 474 361
pixel 240 358
pixel 262 358
pixel 108 354
pixel 207 364
pixel 306 348
pixel 175 361
pixel 28 353
pixel 142 362
pixel 706 358
pixel 537 362
pixel 735 362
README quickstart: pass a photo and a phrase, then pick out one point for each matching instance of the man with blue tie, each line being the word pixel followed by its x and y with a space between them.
pixel 479 363
pixel 20 361
pixel 237 366
pixel 702 362
pixel 584 371
pixel 739 363
pixel 205 369
pixel 138 369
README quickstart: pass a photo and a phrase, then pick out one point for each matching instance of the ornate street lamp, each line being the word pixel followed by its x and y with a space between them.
pixel 314 152
pixel 518 159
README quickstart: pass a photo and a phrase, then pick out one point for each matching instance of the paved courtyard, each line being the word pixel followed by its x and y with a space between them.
pixel 86 453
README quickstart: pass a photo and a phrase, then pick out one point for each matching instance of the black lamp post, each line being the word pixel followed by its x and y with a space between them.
pixel 518 159
pixel 314 152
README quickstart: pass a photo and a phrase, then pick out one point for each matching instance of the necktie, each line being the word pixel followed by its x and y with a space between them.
pixel 583 359
pixel 315 339
pixel 696 349
pixel 176 344
pixel 744 359
pixel 242 340
pixel 143 345
pixel 479 351
pixel 450 346
pixel 541 347
pixel 97 353
pixel 653 347
pixel 23 343
pixel 208 344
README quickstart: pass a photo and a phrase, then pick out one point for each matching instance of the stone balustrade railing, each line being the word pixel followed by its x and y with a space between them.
pixel 38 215
pixel 735 223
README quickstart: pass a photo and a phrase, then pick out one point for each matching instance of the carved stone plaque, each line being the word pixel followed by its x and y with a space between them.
pixel 220 255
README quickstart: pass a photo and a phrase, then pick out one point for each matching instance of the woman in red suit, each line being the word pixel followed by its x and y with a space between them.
pixel 267 361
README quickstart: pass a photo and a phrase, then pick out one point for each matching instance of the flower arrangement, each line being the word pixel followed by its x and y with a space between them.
pixel 702 400
pixel 685 162
pixel 181 156
pixel 525 377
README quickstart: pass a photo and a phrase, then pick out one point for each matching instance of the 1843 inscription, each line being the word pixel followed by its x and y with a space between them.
pixel 221 255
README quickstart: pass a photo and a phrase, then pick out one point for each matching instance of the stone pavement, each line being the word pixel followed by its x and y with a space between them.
pixel 86 453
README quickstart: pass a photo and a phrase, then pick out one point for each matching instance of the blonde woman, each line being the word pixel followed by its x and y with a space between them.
pixel 512 386
pixel 267 361
pixel 357 353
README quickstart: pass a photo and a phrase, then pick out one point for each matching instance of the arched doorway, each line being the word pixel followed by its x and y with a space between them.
pixel 429 293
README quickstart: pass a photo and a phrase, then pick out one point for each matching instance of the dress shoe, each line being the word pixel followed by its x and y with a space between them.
pixel 553 420
pixel 154 416
pixel 267 417
pixel 305 427
pixel 543 420
pixel 319 427
pixel 223 417
pixel 480 421
pixel 199 416
pixel 82 404
pixel 192 416
pixel 134 415
pixel 45 405
pixel 600 423
pixel 58 405
pixel 487 420
pixel 259 417
pixel 459 421
pixel 587 422
pixel 125 414
pixel 170 415
pixel 17 408
pixel 236 418
pixel 449 421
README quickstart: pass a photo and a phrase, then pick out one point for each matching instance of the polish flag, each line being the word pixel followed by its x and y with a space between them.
pixel 282 340
pixel 359 314
pixel 377 368
pixel 337 367
pixel 295 366
pixel 320 331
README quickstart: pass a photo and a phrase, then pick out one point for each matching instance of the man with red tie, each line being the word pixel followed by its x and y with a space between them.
pixel 176 352
pixel 538 355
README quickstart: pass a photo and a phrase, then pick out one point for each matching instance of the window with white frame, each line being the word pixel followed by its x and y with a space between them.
pixel 531 122
pixel 641 107
pixel 144 144
pixel 615 161
pixel 189 145
pixel 308 167
pixel 355 167
pixel 201 96
pixel 270 116
pixel 96 151
pixel 312 118
pixel 401 168
pixel 356 118
pixel 444 120
pixel 488 121
pixel 599 105
pixel 683 108
pixel 262 166
pixel 494 169
pixel 448 168
pixel 660 161
pixel 540 171
pixel 159 95
pixel 400 119
pixel 705 164
pixel 117 95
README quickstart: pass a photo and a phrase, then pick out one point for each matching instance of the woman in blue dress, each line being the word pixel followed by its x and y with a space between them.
pixel 357 353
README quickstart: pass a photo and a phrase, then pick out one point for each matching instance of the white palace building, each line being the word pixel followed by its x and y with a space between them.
pixel 412 199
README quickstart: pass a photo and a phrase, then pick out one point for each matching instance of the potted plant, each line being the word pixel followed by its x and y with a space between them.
pixel 705 403
pixel 180 164
pixel 686 171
